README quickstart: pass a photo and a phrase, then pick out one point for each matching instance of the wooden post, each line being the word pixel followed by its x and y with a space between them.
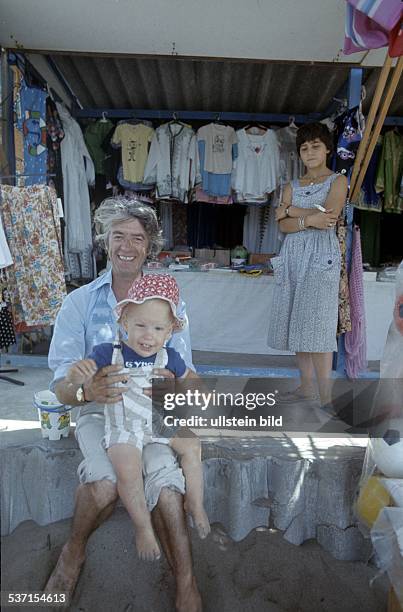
pixel 380 86
pixel 393 602
pixel 378 126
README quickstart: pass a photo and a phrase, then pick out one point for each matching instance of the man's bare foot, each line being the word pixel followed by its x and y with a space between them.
pixel 146 544
pixel 188 599
pixel 65 575
pixel 200 518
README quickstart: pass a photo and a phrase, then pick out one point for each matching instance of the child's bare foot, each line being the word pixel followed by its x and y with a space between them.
pixel 147 545
pixel 200 519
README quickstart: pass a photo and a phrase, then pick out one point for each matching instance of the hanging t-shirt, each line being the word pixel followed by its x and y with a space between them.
pixel 257 169
pixel 389 173
pixel 213 184
pixel 350 128
pixel 134 141
pixel 94 137
pixel 29 131
pixel 218 148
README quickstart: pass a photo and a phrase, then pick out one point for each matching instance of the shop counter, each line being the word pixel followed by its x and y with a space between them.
pixel 229 312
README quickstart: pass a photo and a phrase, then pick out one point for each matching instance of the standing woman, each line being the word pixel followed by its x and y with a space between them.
pixel 304 311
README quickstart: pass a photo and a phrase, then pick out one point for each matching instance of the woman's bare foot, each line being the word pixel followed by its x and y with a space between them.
pixel 301 394
pixel 200 518
pixel 146 544
pixel 65 575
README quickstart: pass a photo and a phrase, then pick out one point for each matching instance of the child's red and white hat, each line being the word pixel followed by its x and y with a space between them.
pixel 151 287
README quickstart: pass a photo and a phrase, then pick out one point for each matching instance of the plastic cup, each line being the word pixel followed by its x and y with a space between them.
pixel 54 417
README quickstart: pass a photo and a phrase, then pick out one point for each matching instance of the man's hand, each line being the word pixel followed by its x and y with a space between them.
pixel 82 371
pixel 102 387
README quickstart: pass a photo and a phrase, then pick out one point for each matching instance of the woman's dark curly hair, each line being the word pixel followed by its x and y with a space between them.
pixel 311 131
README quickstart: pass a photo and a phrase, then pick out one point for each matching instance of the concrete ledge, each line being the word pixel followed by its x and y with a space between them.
pixel 304 488
pixel 38 478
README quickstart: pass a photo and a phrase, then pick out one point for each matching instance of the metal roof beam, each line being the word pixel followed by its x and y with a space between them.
pixel 131 113
pixel 120 113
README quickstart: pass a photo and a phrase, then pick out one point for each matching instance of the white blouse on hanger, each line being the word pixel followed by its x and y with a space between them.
pixel 257 168
pixel 78 173
pixel 172 161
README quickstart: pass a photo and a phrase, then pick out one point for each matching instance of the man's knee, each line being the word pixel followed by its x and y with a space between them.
pixel 170 497
pixel 104 493
pixel 194 445
pixel 191 447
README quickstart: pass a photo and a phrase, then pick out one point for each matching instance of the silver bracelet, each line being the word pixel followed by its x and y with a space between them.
pixel 301 223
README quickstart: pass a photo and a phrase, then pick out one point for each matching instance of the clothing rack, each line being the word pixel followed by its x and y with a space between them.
pixel 17 175
pixel 118 113
pixel 121 113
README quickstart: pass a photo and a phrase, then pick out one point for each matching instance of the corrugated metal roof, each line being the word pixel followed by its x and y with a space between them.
pixel 210 85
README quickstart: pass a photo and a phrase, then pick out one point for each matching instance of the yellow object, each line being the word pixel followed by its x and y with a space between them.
pixel 251 272
pixel 372 498
pixel 134 141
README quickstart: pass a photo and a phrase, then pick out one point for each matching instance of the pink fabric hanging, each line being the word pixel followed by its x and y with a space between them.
pixel 369 23
pixel 355 341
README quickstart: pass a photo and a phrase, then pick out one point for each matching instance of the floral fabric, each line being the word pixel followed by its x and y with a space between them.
pixel 36 280
pixel 344 322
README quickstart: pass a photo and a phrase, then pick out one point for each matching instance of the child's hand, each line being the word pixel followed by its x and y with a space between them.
pixel 82 371
pixel 160 373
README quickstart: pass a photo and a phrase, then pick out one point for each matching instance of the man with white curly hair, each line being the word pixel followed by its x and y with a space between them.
pixel 130 233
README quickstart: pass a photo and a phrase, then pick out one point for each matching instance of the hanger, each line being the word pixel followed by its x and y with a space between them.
pixel 341 109
pixel 256 130
pixel 175 120
pixel 217 119
pixel 133 120
pixel 50 94
pixel 103 118
pixel 291 123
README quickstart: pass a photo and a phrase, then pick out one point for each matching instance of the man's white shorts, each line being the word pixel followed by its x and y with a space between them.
pixel 160 465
